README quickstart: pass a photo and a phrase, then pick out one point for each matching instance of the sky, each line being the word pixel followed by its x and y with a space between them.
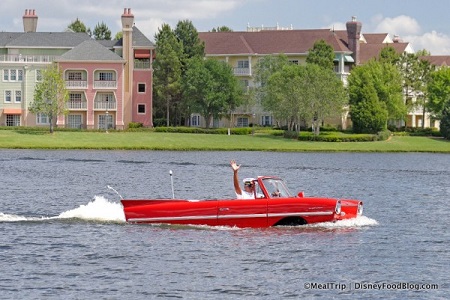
pixel 425 24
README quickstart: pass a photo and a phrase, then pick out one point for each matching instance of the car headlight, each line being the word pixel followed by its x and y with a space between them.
pixel 360 208
pixel 337 209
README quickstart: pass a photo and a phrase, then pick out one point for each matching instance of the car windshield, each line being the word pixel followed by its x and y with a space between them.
pixel 276 188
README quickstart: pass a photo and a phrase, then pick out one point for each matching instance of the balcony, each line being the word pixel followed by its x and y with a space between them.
pixel 76 84
pixel 105 105
pixel 142 65
pixel 20 58
pixel 105 84
pixel 76 105
pixel 242 71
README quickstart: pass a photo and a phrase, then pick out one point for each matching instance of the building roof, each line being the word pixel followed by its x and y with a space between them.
pixel 7 37
pixel 139 40
pixel 438 60
pixel 269 42
pixel 90 50
pixel 369 51
pixel 47 40
pixel 377 38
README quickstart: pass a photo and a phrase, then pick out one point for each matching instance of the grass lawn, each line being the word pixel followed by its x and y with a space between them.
pixel 17 139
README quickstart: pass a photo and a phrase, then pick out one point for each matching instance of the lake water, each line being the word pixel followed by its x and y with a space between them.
pixel 63 234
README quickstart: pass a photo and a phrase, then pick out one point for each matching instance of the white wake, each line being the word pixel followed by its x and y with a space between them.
pixel 99 209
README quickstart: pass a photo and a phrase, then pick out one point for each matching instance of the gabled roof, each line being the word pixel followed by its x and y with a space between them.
pixel 90 50
pixel 438 60
pixel 47 40
pixel 139 40
pixel 268 42
pixel 369 51
pixel 377 38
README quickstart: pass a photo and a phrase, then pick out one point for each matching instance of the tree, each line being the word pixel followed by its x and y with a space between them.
pixel 387 82
pixel 309 93
pixel 78 26
pixel 445 123
pixel 118 35
pixel 416 75
pixel 50 95
pixel 188 36
pixel 167 69
pixel 222 29
pixel 389 55
pixel 102 32
pixel 322 55
pixel 367 112
pixel 439 91
pixel 211 88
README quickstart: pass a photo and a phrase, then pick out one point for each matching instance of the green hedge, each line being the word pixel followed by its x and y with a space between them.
pixel 332 136
pixel 235 131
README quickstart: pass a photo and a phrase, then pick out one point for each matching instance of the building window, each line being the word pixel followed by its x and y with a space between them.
pixel 141 87
pixel 12 120
pixel 38 75
pixel 76 76
pixel 5 75
pixel 18 96
pixel 74 121
pixel 13 75
pixel 75 97
pixel 242 122
pixel 243 64
pixel 8 96
pixel 20 75
pixel 105 120
pixel 141 109
pixel 42 119
pixel 105 76
pixel 195 120
pixel 266 120
pixel 294 61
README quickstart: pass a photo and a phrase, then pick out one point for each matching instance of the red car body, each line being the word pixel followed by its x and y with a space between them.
pixel 273 205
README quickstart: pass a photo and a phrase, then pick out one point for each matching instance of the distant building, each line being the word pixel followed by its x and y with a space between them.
pixel 109 82
pixel 242 50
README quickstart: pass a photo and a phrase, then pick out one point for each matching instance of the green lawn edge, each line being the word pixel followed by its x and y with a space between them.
pixel 16 139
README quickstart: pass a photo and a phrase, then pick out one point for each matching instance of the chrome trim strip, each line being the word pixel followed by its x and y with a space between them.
pixel 162 219
pixel 230 216
pixel 318 213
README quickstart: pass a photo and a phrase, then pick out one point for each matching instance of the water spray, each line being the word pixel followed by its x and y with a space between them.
pixel 111 188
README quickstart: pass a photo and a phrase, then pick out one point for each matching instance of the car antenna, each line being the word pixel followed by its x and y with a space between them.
pixel 171 182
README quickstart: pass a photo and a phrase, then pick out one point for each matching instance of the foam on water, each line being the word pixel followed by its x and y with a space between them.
pixel 360 221
pixel 99 209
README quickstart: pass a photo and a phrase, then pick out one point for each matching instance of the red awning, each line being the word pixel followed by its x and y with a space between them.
pixel 12 111
pixel 141 53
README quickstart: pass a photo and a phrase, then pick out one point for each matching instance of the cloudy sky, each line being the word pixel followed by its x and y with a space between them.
pixel 423 23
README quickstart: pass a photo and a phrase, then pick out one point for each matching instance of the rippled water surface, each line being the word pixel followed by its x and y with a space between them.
pixel 63 234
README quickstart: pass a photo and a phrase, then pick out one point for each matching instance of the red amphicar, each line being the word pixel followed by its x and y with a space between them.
pixel 273 205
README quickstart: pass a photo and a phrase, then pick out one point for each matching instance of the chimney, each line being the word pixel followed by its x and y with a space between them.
pixel 353 34
pixel 30 20
pixel 127 19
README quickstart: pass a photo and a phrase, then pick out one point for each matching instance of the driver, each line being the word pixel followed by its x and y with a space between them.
pixel 249 186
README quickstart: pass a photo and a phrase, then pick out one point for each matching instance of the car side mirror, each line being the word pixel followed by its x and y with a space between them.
pixel 301 194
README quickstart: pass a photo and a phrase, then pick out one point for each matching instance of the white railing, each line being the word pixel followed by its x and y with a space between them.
pixel 27 58
pixel 103 105
pixel 242 71
pixel 76 105
pixel 141 65
pixel 105 84
pixel 70 84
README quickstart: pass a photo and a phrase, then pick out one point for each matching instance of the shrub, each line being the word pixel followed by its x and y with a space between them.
pixel 445 124
pixel 135 125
